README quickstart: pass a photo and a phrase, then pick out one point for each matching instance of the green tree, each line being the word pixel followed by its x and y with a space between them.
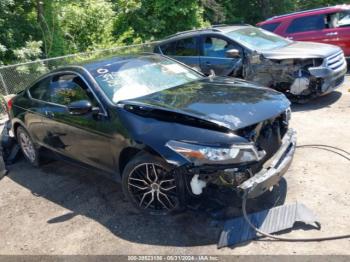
pixel 86 24
pixel 140 20
pixel 247 11
pixel 65 26
pixel 307 4
pixel 17 25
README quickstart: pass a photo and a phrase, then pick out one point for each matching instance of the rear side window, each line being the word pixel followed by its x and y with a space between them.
pixel 270 27
pixel 168 49
pixel 40 90
pixel 308 23
pixel 186 47
pixel 183 47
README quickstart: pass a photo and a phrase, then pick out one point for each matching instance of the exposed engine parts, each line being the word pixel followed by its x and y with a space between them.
pixel 301 83
pixel 297 78
pixel 197 185
pixel 267 136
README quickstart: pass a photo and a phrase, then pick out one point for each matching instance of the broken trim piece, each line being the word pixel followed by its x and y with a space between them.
pixel 237 230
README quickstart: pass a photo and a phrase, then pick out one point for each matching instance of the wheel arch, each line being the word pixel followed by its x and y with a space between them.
pixel 15 125
pixel 130 152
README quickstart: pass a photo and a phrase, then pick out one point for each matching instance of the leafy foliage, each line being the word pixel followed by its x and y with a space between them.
pixel 58 27
pixel 86 24
pixel 17 25
pixel 154 19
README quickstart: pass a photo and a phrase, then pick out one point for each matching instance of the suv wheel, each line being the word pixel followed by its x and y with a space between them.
pixel 149 185
pixel 28 147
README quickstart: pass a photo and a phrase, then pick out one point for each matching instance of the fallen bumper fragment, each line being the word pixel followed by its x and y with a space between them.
pixel 9 148
pixel 270 221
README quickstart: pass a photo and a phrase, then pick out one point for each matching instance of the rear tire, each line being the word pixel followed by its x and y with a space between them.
pixel 150 186
pixel 28 147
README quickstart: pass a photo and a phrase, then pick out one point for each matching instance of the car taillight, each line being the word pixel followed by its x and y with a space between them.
pixel 9 104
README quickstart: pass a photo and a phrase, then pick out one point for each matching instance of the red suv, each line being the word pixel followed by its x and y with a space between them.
pixel 329 25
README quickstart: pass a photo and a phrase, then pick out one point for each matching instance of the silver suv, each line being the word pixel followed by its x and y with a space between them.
pixel 301 70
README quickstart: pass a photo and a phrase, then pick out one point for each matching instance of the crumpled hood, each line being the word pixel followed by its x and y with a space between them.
pixel 228 102
pixel 302 50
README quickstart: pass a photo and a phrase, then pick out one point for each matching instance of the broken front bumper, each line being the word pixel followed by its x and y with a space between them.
pixel 272 170
pixel 331 79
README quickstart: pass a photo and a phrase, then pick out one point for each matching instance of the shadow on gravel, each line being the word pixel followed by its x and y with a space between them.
pixel 84 192
pixel 318 103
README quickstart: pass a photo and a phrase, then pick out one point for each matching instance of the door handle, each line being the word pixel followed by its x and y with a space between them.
pixel 333 33
pixel 49 114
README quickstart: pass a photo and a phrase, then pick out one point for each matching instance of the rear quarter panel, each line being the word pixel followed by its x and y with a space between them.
pixel 28 114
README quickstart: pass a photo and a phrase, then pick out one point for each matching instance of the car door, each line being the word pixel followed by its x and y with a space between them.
pixel 337 31
pixel 82 137
pixel 37 93
pixel 307 28
pixel 184 50
pixel 214 57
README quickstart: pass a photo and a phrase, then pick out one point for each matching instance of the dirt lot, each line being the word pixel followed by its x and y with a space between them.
pixel 63 209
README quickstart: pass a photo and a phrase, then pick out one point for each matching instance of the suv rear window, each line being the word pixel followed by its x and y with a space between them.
pixel 270 27
pixel 308 23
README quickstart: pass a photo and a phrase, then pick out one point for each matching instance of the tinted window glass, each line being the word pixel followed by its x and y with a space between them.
pixel 216 47
pixel 270 27
pixel 168 49
pixel 68 88
pixel 309 23
pixel 41 90
pixel 186 47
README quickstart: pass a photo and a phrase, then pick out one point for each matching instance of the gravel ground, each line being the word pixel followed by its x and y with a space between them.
pixel 63 209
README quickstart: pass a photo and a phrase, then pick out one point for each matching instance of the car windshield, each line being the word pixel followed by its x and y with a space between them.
pixel 128 78
pixel 258 39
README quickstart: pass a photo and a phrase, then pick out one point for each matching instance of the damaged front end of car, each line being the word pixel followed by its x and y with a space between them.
pixel 300 78
pixel 251 168
pixel 215 133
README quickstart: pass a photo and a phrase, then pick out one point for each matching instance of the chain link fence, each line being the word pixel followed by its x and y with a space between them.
pixel 15 78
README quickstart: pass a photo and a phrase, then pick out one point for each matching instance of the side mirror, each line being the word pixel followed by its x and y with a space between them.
pixel 232 53
pixel 80 107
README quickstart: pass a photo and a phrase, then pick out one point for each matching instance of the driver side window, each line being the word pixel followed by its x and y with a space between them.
pixel 216 47
pixel 68 88
pixel 340 19
pixel 62 89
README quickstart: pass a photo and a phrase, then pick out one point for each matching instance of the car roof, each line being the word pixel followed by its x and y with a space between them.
pixel 303 13
pixel 214 29
pixel 102 62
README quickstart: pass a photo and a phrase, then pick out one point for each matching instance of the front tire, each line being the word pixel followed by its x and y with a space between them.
pixel 30 151
pixel 150 186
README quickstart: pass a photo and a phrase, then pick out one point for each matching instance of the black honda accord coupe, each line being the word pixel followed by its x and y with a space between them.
pixel 165 131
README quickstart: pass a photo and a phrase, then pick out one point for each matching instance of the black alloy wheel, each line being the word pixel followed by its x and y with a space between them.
pixel 150 186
